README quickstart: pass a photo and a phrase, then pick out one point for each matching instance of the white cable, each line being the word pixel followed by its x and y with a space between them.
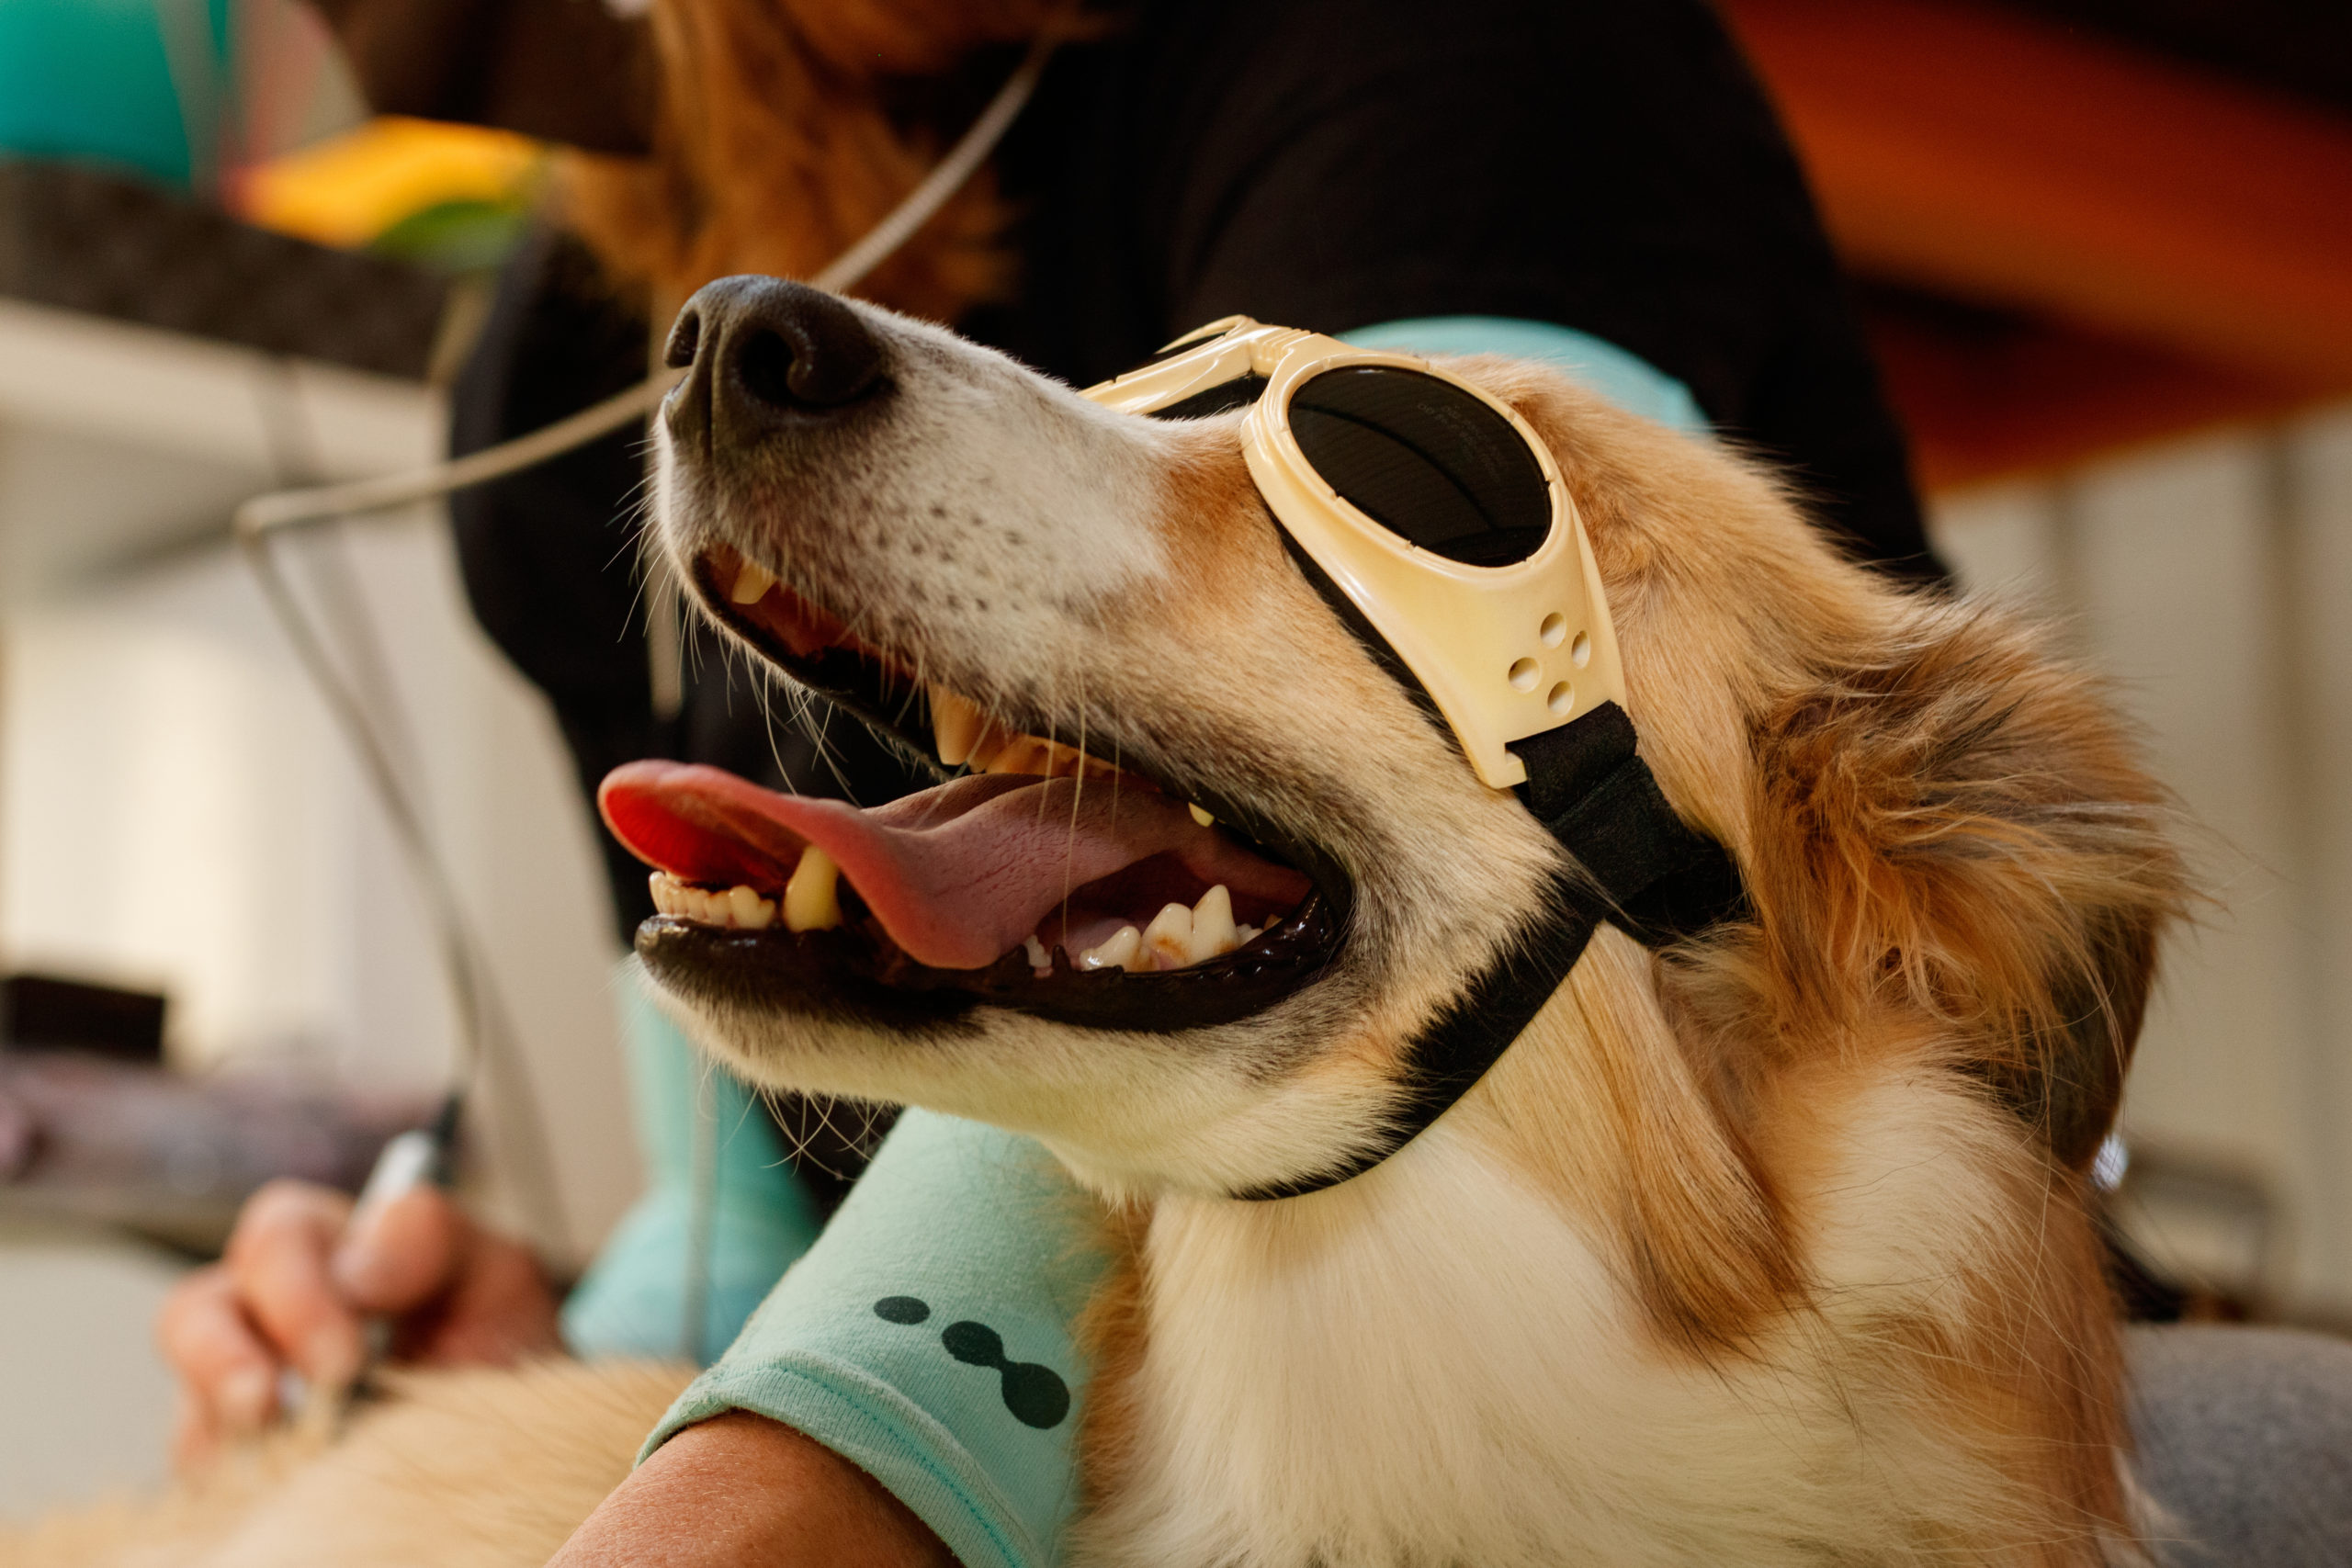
pixel 294 508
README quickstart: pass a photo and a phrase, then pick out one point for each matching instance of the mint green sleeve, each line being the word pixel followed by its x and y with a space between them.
pixel 1628 381
pixel 662 1285
pixel 926 1337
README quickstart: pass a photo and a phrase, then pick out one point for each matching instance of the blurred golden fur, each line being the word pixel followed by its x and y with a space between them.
pixel 479 1469
pixel 781 136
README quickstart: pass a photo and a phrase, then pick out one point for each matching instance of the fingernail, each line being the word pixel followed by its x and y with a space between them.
pixel 247 1396
pixel 353 1267
pixel 358 1261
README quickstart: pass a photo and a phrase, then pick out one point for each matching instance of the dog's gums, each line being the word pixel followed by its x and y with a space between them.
pixel 1041 877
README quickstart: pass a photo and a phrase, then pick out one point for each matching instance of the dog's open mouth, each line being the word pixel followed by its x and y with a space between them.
pixel 1044 878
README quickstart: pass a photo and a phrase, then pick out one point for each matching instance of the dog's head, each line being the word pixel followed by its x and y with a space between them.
pixel 1215 868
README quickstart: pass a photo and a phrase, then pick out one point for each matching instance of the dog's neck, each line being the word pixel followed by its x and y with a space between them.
pixel 1411 1360
pixel 1433 1363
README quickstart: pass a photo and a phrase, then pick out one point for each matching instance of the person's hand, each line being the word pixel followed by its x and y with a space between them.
pixel 740 1490
pixel 299 1278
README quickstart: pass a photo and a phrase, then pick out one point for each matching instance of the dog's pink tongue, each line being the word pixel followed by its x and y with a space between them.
pixel 957 875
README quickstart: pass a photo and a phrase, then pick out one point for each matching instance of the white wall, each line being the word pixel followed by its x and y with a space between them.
pixel 2213 581
pixel 179 811
pixel 175 807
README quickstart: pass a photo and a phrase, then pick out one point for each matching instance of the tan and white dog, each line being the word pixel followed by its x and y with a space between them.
pixel 1771 1247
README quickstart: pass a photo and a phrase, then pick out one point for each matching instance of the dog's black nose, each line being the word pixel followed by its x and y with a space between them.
pixel 766 353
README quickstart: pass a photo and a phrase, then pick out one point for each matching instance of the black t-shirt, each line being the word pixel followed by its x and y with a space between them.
pixel 1607 165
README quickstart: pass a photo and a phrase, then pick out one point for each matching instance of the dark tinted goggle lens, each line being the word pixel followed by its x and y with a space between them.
pixel 1426 461
pixel 1223 398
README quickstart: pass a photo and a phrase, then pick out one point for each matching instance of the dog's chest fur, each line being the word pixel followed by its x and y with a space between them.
pixel 1426 1367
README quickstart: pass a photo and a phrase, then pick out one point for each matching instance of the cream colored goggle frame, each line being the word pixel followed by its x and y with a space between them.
pixel 1505 651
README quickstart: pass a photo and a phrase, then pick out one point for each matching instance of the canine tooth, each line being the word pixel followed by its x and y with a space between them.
pixel 813 899
pixel 1039 959
pixel 1202 818
pixel 956 724
pixel 1212 926
pixel 750 911
pixel 1121 952
pixel 665 892
pixel 752 583
pixel 1167 941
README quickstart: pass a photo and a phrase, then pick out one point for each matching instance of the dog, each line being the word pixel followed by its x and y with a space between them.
pixel 1768 1246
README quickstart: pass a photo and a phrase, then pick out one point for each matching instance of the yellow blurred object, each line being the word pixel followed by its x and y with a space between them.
pixel 348 190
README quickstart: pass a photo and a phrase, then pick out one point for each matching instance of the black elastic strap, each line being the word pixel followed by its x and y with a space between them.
pixel 1643 869
pixel 1586 783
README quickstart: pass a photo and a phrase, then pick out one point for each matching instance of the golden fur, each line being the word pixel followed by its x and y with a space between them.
pixel 785 130
pixel 1958 872
pixel 1770 1248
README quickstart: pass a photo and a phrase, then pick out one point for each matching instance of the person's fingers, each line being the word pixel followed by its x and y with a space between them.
pixel 229 1377
pixel 397 1256
pixel 196 1437
pixel 278 1260
pixel 500 1310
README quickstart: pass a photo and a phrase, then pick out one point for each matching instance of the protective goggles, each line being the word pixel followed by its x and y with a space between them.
pixel 1433 510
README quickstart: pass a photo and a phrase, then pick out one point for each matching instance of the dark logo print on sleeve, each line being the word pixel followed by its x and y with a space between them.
pixel 1037 1395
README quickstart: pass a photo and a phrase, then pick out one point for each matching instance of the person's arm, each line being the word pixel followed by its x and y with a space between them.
pixel 927 1338
pixel 740 1490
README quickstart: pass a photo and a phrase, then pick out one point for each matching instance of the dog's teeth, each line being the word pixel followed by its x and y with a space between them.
pixel 1244 935
pixel 747 910
pixel 666 890
pixel 1213 928
pixel 1123 951
pixel 738 909
pixel 1039 959
pixel 1023 754
pixel 1202 818
pixel 955 725
pixel 1167 941
pixel 813 899
pixel 992 740
pixel 752 583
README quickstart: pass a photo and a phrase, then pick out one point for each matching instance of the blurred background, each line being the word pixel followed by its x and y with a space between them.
pixel 2104 248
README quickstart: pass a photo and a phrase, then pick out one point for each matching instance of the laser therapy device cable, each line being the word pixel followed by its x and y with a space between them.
pixel 486 1037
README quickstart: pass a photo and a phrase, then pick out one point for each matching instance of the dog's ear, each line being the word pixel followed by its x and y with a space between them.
pixel 1957 828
